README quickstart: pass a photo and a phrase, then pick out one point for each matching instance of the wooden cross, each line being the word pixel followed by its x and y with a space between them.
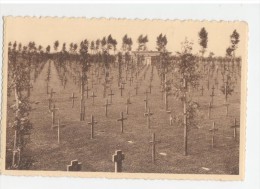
pixel 53 111
pixel 209 110
pixel 148 114
pixel 235 126
pixel 111 96
pixel 74 166
pixel 213 89
pixel 58 129
pixel 136 89
pixel 122 121
pixel 87 90
pixel 153 142
pixel 51 93
pixel 73 97
pixel 150 88
pixel 146 103
pixel 93 97
pixel 213 130
pixel 131 80
pixel 106 105
pixel 227 105
pixel 171 118
pixel 117 158
pixel 128 102
pixel 121 89
pixel 92 123
pixel 123 83
pixel 212 95
pixel 49 103
pixel 47 87
pixel 202 89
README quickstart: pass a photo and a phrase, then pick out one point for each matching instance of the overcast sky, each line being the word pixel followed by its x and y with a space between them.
pixel 45 31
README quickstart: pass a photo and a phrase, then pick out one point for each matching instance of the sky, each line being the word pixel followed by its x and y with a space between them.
pixel 44 31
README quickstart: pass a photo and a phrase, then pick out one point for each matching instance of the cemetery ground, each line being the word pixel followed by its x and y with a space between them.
pixel 45 153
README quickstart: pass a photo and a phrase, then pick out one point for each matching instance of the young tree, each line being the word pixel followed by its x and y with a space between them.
pixel 203 40
pixel 186 74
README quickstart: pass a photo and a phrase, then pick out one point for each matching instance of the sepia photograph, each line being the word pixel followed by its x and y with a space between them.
pixel 139 98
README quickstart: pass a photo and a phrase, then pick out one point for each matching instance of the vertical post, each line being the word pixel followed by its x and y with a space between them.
pixel 92 125
pixel 185 121
pixel 122 125
pixel 153 147
pixel 58 131
pixel 209 110
pixel 213 135
pixel 235 129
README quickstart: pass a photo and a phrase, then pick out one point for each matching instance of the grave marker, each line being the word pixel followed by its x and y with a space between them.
pixel 117 158
pixel 73 97
pixel 213 130
pixel 111 96
pixel 92 123
pixel 93 97
pixel 235 126
pixel 148 115
pixel 122 122
pixel 153 142
pixel 74 166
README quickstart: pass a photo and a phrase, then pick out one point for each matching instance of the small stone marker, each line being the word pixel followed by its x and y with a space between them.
pixel 213 130
pixel 74 166
pixel 117 158
pixel 93 97
pixel 73 97
pixel 153 142
pixel 122 121
pixel 235 126
pixel 92 123
pixel 148 115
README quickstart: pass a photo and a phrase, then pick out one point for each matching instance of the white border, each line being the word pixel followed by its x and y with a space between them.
pixel 249 13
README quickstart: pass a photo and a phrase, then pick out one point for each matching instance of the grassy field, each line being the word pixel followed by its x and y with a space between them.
pixel 96 154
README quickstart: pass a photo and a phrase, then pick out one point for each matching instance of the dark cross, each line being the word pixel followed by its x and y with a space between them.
pixel 136 90
pixel 153 142
pixel 212 95
pixel 131 80
pixel 111 96
pixel 74 166
pixel 123 83
pixel 171 118
pixel 53 111
pixel 92 123
pixel 117 158
pixel 148 114
pixel 121 89
pixel 150 88
pixel 49 103
pixel 213 89
pixel 47 87
pixel 93 97
pixel 227 105
pixel 235 126
pixel 202 89
pixel 213 130
pixel 146 103
pixel 73 97
pixel 87 90
pixel 51 93
pixel 122 121
pixel 58 129
pixel 128 102
pixel 209 110
pixel 106 105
